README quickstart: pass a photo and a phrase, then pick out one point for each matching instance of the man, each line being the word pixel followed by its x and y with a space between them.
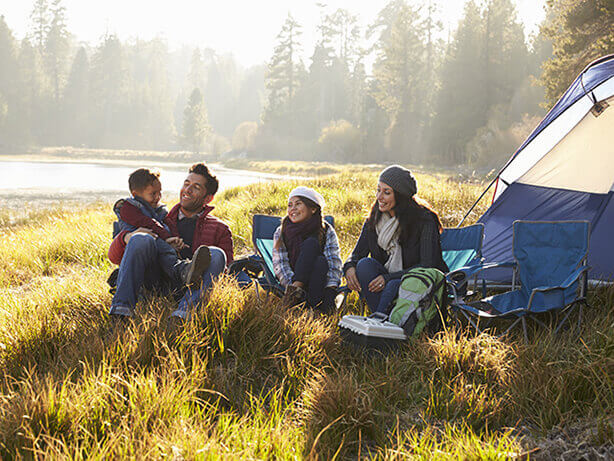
pixel 144 263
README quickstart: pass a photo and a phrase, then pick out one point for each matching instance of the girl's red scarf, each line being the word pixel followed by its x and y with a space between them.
pixel 295 233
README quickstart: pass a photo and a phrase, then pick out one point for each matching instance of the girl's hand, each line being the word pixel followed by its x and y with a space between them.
pixel 352 280
pixel 377 284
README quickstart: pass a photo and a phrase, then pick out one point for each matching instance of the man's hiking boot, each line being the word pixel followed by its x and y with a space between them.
pixel 194 270
pixel 294 295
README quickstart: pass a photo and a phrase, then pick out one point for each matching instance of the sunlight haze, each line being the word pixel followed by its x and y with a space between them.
pixel 246 29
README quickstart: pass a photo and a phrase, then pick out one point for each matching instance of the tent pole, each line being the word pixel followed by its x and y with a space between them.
pixel 477 201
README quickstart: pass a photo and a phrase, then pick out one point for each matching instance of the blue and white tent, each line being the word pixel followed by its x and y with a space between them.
pixel 563 171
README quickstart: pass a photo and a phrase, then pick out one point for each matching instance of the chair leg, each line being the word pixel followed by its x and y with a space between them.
pixel 569 311
pixel 539 322
pixel 457 323
pixel 580 316
pixel 510 327
pixel 473 324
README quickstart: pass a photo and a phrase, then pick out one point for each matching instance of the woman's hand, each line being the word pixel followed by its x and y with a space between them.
pixel 350 276
pixel 377 284
pixel 140 230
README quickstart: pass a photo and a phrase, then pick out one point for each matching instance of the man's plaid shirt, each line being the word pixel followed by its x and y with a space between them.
pixel 281 262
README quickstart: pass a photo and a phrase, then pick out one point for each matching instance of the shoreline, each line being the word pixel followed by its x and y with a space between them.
pixel 277 168
pixel 170 165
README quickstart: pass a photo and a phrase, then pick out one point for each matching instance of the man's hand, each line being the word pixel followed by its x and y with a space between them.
pixel 350 276
pixel 377 284
pixel 140 230
pixel 176 242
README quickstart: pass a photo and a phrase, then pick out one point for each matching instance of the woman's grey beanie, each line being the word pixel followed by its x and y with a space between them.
pixel 400 179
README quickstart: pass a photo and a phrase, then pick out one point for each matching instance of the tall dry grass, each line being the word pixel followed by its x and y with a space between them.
pixel 246 380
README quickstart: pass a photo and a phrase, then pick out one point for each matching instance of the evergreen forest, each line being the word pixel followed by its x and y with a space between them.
pixel 410 96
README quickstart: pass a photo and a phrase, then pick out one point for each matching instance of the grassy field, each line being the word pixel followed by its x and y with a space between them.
pixel 246 380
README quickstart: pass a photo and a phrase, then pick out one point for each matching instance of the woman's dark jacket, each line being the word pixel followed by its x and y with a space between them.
pixel 422 248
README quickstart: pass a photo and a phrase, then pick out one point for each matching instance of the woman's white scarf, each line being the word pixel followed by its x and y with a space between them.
pixel 388 231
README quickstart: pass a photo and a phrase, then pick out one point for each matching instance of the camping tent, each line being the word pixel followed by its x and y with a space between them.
pixel 563 171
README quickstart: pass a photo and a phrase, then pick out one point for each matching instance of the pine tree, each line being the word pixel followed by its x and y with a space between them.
pixel 9 76
pixel 196 76
pixel 341 32
pixel 221 93
pixel 485 66
pixel 30 114
pixel 284 76
pixel 505 54
pixel 109 85
pixel 56 48
pixel 460 108
pixel 580 31
pixel 76 101
pixel 41 22
pixel 398 71
pixel 195 124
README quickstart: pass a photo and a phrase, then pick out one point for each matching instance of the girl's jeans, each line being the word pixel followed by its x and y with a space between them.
pixel 311 269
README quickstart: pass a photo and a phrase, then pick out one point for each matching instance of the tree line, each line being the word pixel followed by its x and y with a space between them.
pixel 409 96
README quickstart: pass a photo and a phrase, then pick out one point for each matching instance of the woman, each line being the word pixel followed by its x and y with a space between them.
pixel 306 256
pixel 402 232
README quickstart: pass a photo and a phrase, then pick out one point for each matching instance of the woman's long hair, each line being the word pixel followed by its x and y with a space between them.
pixel 408 210
pixel 318 214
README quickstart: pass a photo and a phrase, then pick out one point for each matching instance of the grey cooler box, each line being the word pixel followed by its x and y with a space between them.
pixel 373 332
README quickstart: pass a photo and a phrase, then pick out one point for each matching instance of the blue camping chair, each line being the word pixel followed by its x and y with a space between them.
pixel 461 249
pixel 551 264
pixel 462 246
pixel 259 266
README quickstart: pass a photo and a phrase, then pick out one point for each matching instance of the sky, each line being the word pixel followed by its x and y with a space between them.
pixel 245 28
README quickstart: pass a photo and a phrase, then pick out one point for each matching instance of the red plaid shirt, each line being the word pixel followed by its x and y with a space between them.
pixel 209 231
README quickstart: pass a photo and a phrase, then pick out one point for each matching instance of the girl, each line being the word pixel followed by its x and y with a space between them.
pixel 306 255
pixel 402 232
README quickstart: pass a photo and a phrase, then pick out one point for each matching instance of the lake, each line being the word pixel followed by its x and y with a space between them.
pixel 46 184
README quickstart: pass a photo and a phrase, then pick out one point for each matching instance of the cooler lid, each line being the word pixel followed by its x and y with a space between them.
pixel 372 327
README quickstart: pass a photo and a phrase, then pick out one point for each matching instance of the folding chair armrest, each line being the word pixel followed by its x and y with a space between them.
pixel 467 271
pixel 563 286
pixel 454 288
pixel 574 276
pixel 511 264
pixel 475 269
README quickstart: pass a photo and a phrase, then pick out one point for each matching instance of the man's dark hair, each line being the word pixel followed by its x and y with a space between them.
pixel 212 182
pixel 141 178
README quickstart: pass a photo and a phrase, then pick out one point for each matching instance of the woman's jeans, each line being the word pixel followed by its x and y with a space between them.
pixel 151 263
pixel 311 269
pixel 366 270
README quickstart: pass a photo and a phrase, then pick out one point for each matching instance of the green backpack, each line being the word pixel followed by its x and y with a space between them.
pixel 421 302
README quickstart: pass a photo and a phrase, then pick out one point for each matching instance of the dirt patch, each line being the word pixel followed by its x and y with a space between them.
pixel 583 440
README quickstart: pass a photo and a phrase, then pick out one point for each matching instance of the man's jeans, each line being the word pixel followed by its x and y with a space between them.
pixel 366 270
pixel 151 263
